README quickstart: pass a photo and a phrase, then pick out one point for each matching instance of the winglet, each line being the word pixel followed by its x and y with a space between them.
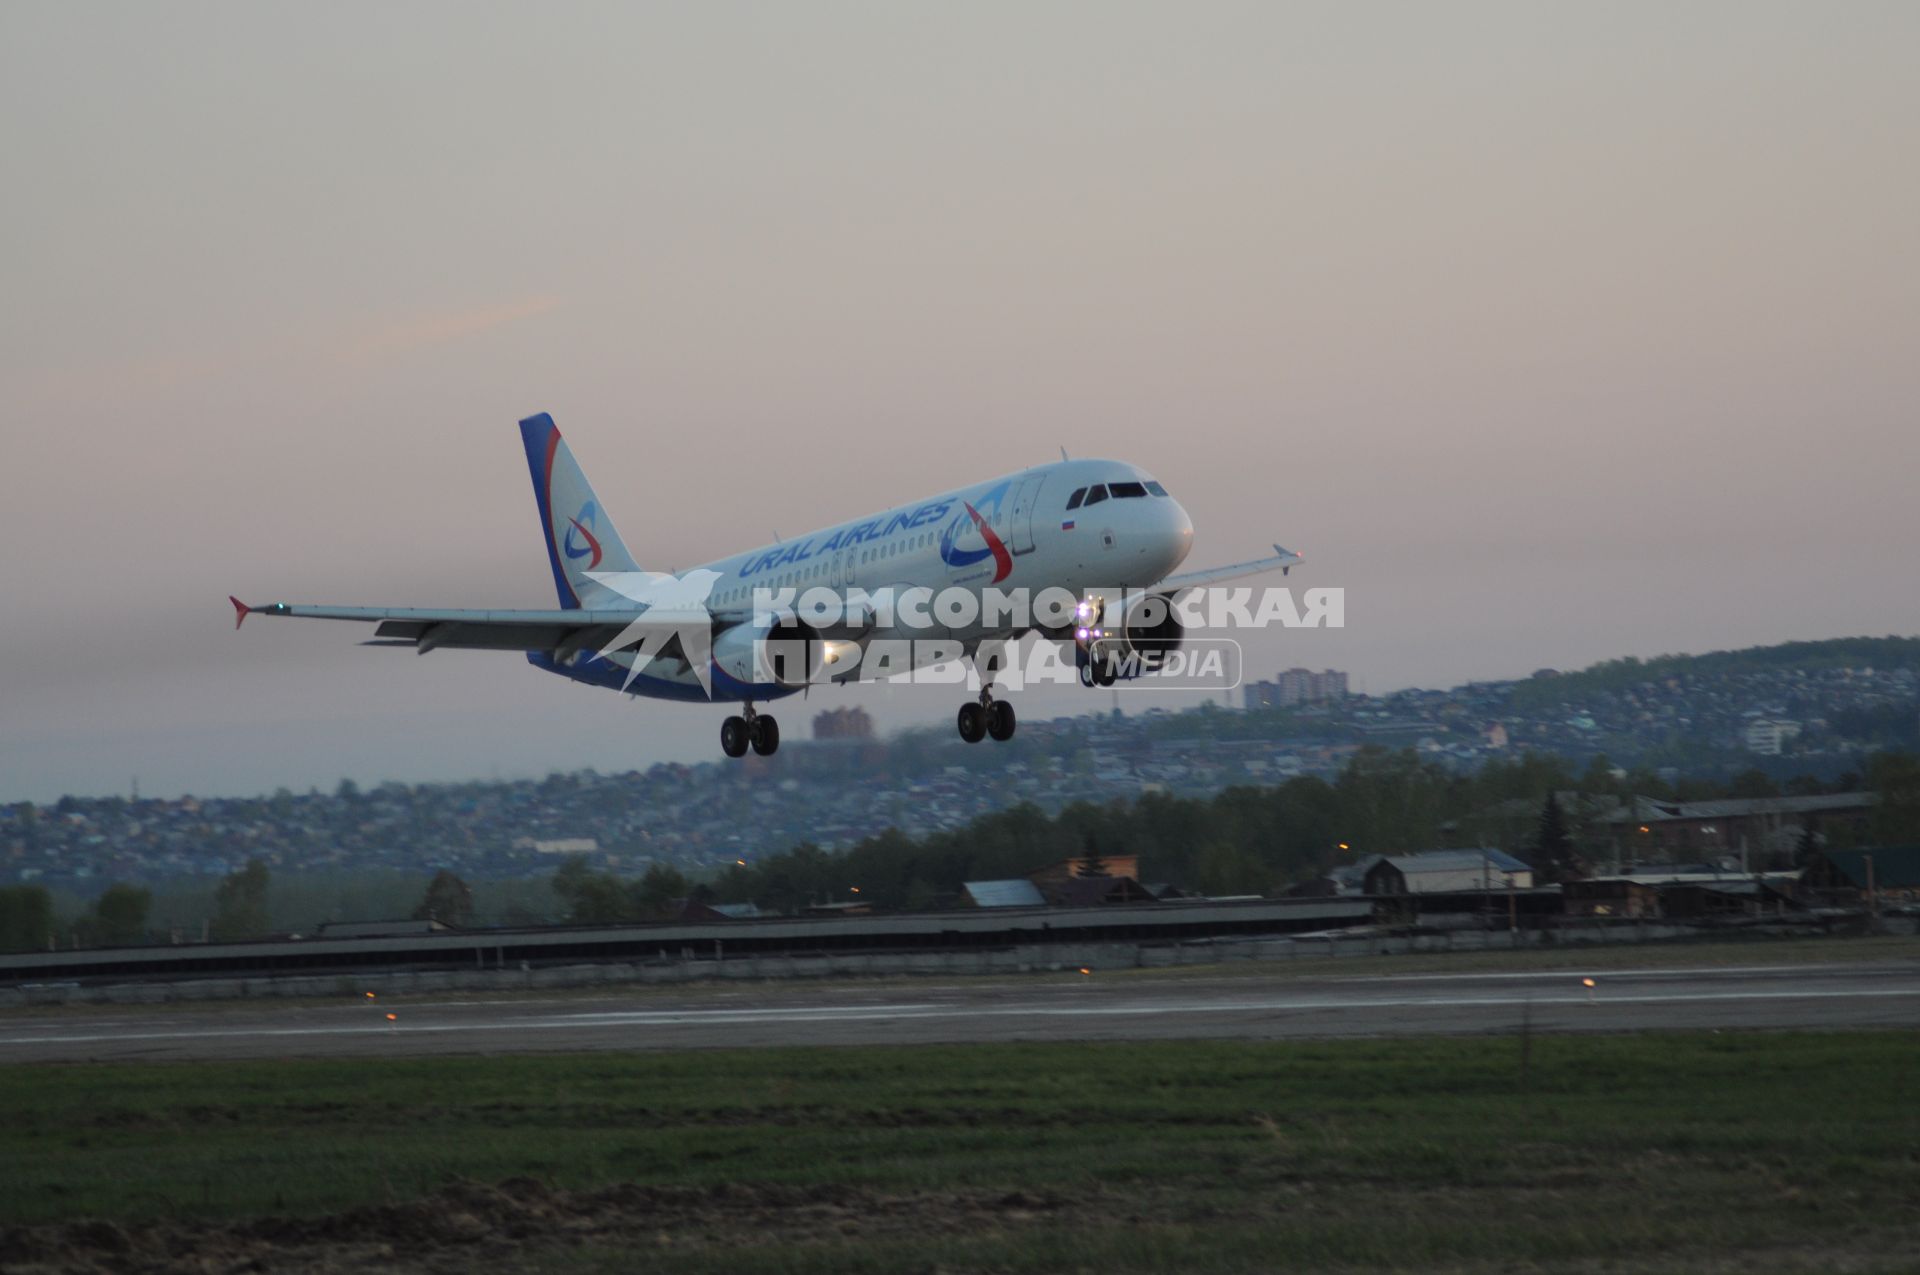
pixel 240 611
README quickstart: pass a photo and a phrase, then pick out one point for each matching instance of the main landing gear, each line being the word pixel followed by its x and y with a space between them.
pixel 986 716
pixel 757 731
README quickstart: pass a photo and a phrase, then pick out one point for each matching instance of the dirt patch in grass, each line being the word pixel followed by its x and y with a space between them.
pixel 469 1227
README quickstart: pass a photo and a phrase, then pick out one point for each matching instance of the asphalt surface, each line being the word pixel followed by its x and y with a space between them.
pixel 905 1011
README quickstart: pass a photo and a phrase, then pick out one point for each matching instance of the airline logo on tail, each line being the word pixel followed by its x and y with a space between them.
pixel 583 526
pixel 991 544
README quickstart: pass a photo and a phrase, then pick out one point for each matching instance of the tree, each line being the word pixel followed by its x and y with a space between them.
pixel 1598 778
pixel 1091 864
pixel 448 900
pixel 591 898
pixel 1808 847
pixel 1752 783
pixel 1230 868
pixel 1896 815
pixel 26 918
pixel 658 890
pixel 1554 859
pixel 120 913
pixel 240 903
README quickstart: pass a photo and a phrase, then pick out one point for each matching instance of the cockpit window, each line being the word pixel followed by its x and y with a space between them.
pixel 1096 494
pixel 1126 490
pixel 1156 489
pixel 1073 501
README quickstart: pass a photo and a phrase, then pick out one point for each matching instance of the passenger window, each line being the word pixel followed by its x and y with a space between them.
pixel 1127 490
pixel 1156 489
pixel 1073 501
pixel 1096 494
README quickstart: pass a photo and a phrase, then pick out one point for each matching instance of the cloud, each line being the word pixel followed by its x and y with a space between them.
pixel 425 331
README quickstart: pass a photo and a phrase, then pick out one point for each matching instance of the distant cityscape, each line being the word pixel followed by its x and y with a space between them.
pixel 1808 708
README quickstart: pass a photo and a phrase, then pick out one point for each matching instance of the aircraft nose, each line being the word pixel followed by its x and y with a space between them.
pixel 1172 533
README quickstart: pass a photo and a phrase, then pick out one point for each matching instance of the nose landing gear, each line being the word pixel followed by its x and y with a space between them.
pixel 757 731
pixel 1093 657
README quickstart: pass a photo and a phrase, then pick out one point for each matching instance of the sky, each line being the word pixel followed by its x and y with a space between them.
pixel 1550 332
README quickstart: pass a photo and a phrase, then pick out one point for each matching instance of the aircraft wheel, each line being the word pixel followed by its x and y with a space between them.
pixel 1000 720
pixel 733 737
pixel 1104 673
pixel 973 722
pixel 766 735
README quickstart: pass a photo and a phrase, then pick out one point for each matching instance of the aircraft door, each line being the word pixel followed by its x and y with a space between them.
pixel 1017 522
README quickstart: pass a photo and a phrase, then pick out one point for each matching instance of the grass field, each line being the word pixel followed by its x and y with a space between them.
pixel 1680 1152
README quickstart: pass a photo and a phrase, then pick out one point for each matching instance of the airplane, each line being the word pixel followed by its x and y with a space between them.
pixel 1083 526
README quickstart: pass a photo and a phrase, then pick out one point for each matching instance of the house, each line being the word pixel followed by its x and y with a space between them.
pixel 695 910
pixel 1112 865
pixel 1645 829
pixel 1846 877
pixel 1768 736
pixel 1757 826
pixel 1015 893
pixel 1691 890
pixel 1611 896
pixel 1087 892
pixel 1448 872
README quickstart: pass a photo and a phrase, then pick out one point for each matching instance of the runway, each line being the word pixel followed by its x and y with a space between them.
pixel 1116 1006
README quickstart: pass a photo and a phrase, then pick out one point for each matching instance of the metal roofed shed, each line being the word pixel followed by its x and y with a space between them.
pixel 378 929
pixel 1448 872
pixel 1886 872
pixel 1017 892
pixel 1086 892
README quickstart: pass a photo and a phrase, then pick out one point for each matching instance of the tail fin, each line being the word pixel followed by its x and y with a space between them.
pixel 579 534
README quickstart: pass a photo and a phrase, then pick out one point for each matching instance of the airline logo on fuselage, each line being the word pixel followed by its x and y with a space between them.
pixel 991 546
pixel 872 531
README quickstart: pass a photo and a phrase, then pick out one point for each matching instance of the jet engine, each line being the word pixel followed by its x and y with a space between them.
pixel 1125 637
pixel 780 651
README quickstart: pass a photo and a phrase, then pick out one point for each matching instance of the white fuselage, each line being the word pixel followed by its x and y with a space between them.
pixel 1124 532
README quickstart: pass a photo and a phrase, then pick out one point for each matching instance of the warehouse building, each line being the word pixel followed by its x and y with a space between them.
pixel 1448 872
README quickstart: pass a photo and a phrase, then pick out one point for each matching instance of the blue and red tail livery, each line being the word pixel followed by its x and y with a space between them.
pixel 580 537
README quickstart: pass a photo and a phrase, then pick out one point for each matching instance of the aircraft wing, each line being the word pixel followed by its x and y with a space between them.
pixel 560 631
pixel 1282 561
